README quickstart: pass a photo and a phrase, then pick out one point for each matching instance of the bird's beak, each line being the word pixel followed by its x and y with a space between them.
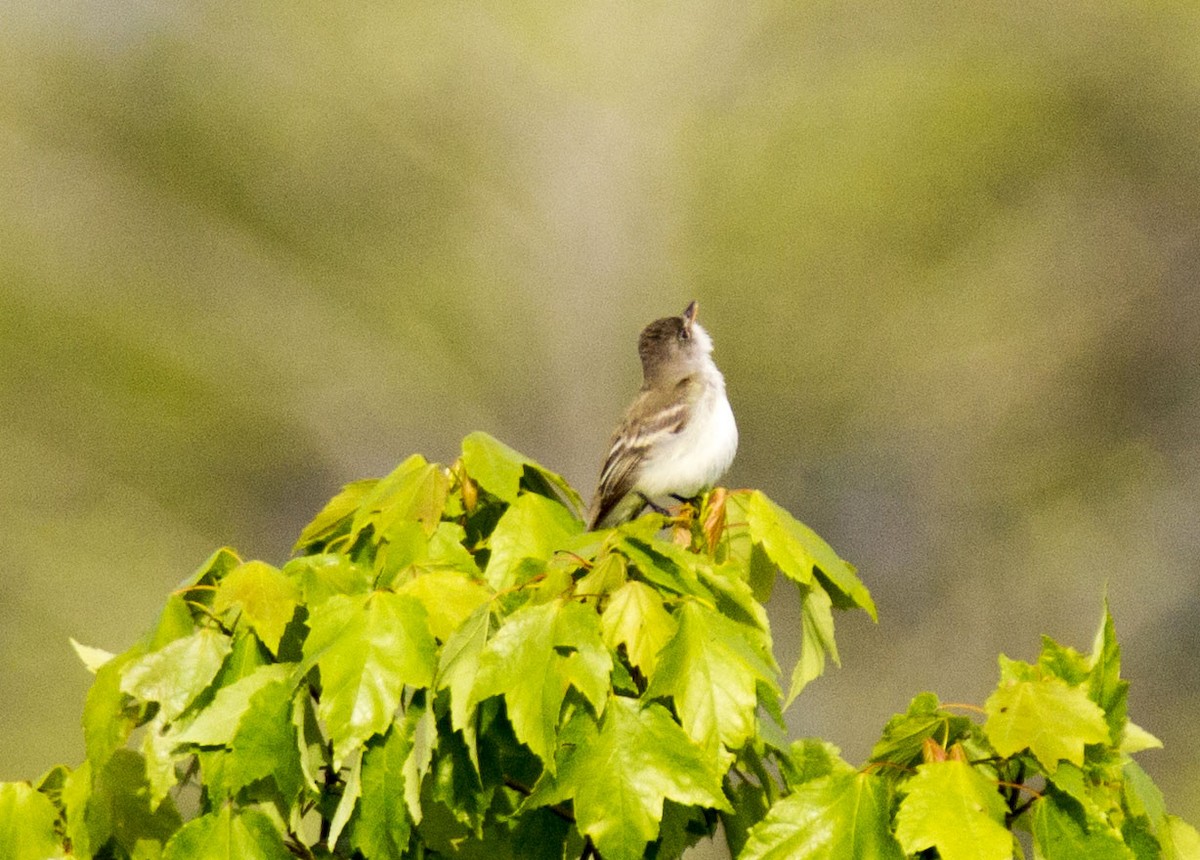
pixel 689 315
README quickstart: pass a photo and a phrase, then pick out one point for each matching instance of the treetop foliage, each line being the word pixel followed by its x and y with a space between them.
pixel 450 666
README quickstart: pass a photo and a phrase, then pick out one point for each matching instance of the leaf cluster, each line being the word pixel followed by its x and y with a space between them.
pixel 450 666
pixel 1047 763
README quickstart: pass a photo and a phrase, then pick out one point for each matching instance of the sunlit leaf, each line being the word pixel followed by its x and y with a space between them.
pixel 526 539
pixel 27 820
pixel 635 618
pixel 449 599
pixel 711 672
pixel 334 519
pixel 538 653
pixel 176 674
pixel 951 806
pixel 499 469
pixel 367 649
pixel 92 658
pixel 1048 717
pixel 228 834
pixel 267 599
pixel 618 774
pixel 843 815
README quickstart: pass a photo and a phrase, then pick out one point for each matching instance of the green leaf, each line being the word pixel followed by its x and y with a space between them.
pixel 843 815
pixel 267 599
pixel 107 723
pixel 119 806
pixel 952 807
pixel 406 552
pixel 416 490
pixel 811 758
pixel 175 675
pixel 526 538
pixel 905 734
pixel 217 723
pixel 536 655
pixel 383 827
pixel 92 658
pixel 711 670
pixel 266 744
pixel 635 618
pixel 367 650
pixel 608 574
pixel 158 751
pixel 816 640
pixel 1061 831
pixel 334 519
pixel 801 553
pixel 1048 717
pixel 351 791
pixel 498 469
pixel 228 834
pixel 27 820
pixel 459 664
pixel 618 773
pixel 449 598
pixel 322 576
pixel 1180 840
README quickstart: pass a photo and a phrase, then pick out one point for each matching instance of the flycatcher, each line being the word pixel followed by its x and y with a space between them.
pixel 678 436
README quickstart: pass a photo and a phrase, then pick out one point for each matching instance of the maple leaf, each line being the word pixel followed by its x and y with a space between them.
pixel 536 655
pixel 844 814
pixel 619 771
pixel 711 671
pixel 953 807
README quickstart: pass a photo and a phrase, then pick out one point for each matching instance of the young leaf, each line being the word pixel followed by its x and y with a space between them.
pixel 178 673
pixel 635 618
pixel 322 576
pixel 228 834
pixel 498 469
pixel 905 734
pixel 816 640
pixel 367 650
pixel 1053 720
pixel 711 671
pixel 618 773
pixel 334 518
pixel 92 658
pixel 449 598
pixel 536 655
pixel 457 668
pixel 801 553
pixel 27 820
pixel 216 723
pixel 416 491
pixel 952 807
pixel 267 599
pixel 842 815
pixel 526 538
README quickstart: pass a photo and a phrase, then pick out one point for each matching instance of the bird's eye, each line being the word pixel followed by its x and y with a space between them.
pixel 684 334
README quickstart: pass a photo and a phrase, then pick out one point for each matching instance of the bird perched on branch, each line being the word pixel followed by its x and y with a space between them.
pixel 678 436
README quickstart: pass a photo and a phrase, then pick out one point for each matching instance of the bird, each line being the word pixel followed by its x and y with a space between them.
pixel 678 436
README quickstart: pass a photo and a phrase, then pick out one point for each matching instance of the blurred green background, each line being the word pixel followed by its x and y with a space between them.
pixel 250 251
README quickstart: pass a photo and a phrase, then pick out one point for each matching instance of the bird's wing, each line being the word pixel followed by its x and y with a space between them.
pixel 630 444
